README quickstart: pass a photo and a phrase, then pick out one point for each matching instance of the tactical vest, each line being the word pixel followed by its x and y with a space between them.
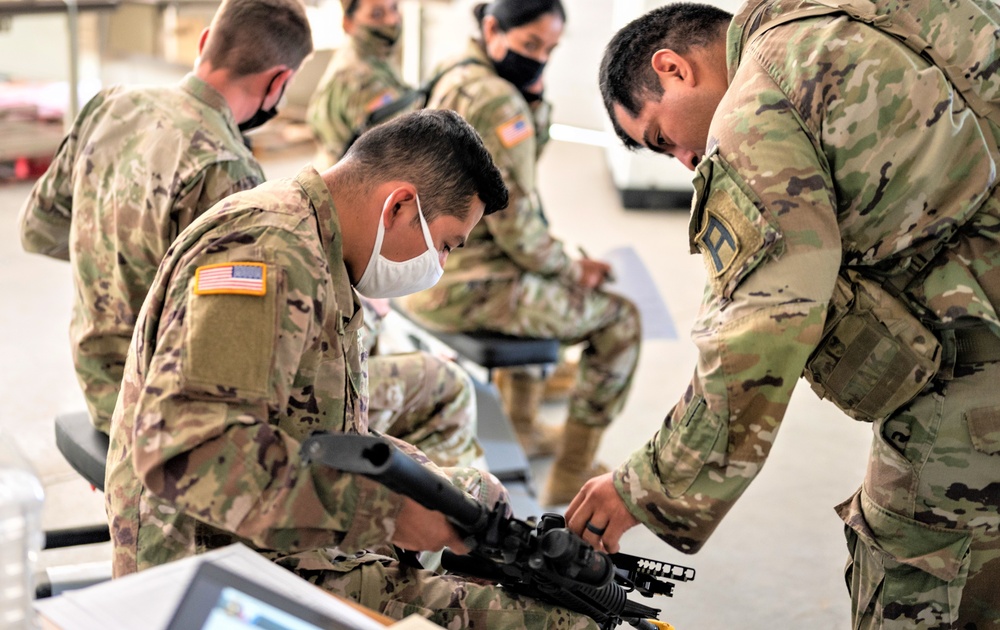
pixel 880 348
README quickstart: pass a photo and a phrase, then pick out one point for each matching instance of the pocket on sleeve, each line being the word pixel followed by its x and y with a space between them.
pixel 691 441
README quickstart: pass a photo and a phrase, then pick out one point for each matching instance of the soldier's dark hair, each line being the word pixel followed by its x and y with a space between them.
pixel 626 75
pixel 250 36
pixel 350 7
pixel 436 151
pixel 513 13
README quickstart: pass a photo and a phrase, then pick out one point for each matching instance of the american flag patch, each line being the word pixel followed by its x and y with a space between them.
pixel 514 131
pixel 382 99
pixel 244 278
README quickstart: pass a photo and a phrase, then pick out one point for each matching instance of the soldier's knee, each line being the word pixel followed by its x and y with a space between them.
pixel 447 377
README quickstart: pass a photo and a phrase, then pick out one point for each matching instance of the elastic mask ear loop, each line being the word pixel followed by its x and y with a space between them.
pixel 377 248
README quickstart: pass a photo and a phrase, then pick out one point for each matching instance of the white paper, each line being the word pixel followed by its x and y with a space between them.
pixel 148 599
pixel 633 280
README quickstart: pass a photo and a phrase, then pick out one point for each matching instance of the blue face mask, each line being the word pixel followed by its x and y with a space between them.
pixel 520 70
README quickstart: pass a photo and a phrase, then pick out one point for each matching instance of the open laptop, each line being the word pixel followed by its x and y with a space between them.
pixel 218 599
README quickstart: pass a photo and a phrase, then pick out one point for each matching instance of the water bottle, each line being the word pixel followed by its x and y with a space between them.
pixel 21 536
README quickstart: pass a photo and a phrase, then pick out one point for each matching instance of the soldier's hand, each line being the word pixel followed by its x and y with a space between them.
pixel 592 272
pixel 598 503
pixel 420 529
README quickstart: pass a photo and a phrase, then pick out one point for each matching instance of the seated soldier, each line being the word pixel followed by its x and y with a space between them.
pixel 117 195
pixel 115 236
pixel 515 277
pixel 247 344
pixel 363 76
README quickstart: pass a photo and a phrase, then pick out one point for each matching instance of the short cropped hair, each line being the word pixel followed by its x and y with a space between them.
pixel 626 75
pixel 436 151
pixel 250 36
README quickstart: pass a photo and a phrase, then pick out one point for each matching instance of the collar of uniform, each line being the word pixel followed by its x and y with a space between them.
pixel 476 51
pixel 210 96
pixel 744 24
pixel 331 238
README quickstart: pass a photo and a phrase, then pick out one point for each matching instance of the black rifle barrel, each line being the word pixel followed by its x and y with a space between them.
pixel 376 458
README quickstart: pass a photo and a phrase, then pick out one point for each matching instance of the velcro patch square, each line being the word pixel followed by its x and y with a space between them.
pixel 242 278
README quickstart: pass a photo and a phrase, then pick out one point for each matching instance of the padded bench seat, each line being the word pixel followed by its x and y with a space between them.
pixel 83 446
pixel 496 350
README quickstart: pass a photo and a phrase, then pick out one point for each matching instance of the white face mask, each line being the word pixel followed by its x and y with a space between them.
pixel 384 278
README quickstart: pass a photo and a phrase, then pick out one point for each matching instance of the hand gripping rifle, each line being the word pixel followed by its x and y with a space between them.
pixel 541 559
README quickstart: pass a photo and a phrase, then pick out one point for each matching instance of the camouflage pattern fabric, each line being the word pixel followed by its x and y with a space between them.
pixel 837 145
pixel 360 78
pixel 427 401
pixel 447 600
pixel 513 276
pixel 114 199
pixel 228 374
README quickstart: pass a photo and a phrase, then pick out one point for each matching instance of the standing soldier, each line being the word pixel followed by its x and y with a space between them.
pixel 140 164
pixel 513 276
pixel 846 207
pixel 362 77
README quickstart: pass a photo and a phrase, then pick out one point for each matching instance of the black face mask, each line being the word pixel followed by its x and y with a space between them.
pixel 520 70
pixel 261 116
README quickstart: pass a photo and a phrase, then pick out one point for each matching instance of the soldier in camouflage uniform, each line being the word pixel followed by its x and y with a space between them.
pixel 249 343
pixel 362 76
pixel 140 164
pixel 513 276
pixel 835 160
pixel 113 211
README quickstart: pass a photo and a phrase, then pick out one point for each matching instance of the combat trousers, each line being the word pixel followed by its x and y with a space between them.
pixel 427 401
pixel 535 306
pixel 924 529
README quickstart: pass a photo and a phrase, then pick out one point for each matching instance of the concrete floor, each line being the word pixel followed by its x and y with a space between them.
pixel 775 562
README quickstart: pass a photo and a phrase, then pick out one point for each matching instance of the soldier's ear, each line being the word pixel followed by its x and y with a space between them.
pixel 399 198
pixel 201 40
pixel 670 66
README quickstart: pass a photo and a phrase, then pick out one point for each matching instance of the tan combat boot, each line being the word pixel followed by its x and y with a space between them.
pixel 574 465
pixel 521 393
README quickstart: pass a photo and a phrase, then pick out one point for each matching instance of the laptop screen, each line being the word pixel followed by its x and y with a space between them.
pixel 218 599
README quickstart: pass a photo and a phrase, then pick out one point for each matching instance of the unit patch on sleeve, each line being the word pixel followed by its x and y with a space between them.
pixel 514 131
pixel 240 278
pixel 382 99
pixel 720 243
pixel 728 241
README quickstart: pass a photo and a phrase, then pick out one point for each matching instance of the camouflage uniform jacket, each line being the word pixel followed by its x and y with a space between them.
pixel 222 384
pixel 834 145
pixel 511 242
pixel 138 166
pixel 360 78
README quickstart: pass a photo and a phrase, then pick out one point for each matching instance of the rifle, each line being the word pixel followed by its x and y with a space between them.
pixel 540 559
